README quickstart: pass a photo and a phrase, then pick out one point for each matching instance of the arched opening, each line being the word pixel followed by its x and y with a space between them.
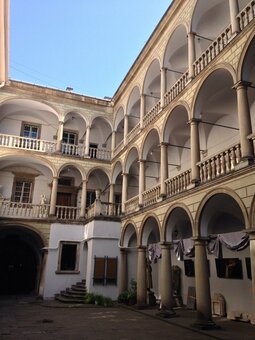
pixel 132 169
pixel 133 109
pixel 151 88
pixel 178 230
pixel 119 126
pixel 20 260
pixel 223 221
pixel 97 181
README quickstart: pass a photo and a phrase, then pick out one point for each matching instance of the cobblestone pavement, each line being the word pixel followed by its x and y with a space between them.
pixel 28 318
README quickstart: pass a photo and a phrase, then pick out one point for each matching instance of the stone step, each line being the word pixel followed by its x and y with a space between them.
pixel 69 299
pixel 75 294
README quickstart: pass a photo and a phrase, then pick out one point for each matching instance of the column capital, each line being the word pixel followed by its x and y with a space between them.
pixel 194 120
pixel 123 250
pixel 165 244
pixel 141 248
pixel 55 177
pixel 124 174
pixel 141 161
pixel 240 84
pixel 61 122
pixel 191 33
pixel 200 239
pixel 165 144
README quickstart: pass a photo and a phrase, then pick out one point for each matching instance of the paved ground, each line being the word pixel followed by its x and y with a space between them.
pixel 27 318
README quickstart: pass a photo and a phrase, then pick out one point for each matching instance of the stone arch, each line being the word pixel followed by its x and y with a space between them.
pixel 183 211
pixel 234 208
pixel 128 234
pixel 74 165
pixel 154 226
pixel 20 247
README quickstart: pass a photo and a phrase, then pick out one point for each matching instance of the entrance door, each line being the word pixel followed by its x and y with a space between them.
pixel 17 267
pixel 64 199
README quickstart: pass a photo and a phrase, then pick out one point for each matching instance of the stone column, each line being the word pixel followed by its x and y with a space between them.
pixel 191 53
pixel 111 199
pixel 87 140
pixel 43 271
pixel 125 129
pixel 195 150
pixel 53 199
pixel 251 233
pixel 123 271
pixel 163 71
pixel 244 118
pixel 124 191
pixel 113 141
pixel 142 110
pixel 234 10
pixel 141 181
pixel 141 276
pixel 203 296
pixel 83 198
pixel 163 168
pixel 60 136
pixel 166 286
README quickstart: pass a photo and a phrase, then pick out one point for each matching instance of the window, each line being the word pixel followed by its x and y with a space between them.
pixel 22 190
pixel 68 257
pixel 105 271
pixel 69 137
pixel 69 140
pixel 91 196
pixel 30 131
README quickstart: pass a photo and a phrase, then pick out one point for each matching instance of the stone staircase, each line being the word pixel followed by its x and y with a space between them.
pixel 75 294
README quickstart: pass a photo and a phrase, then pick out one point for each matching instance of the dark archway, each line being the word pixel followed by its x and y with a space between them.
pixel 20 260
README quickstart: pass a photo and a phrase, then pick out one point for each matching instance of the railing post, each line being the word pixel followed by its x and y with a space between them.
pixel 233 11
pixel 60 136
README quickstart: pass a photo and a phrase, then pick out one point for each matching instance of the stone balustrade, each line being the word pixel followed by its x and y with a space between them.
pixel 133 133
pixel 151 196
pixel 132 205
pixel 178 183
pixel 152 114
pixel 23 210
pixel 220 164
pixel 246 15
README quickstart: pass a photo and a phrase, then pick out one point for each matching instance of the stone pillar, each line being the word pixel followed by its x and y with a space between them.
pixel 244 119
pixel 141 181
pixel 191 53
pixel 234 10
pixel 163 168
pixel 142 110
pixel 43 271
pixel 53 199
pixel 203 296
pixel 60 136
pixel 166 287
pixel 141 276
pixel 113 141
pixel 83 198
pixel 195 150
pixel 123 286
pixel 125 129
pixel 87 140
pixel 111 199
pixel 124 191
pixel 252 256
pixel 163 86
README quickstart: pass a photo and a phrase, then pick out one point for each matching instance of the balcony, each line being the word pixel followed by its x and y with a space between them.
pixel 32 211
pixel 49 147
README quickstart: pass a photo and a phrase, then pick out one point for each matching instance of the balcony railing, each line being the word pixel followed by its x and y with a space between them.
pixel 118 148
pixel 23 210
pixel 133 133
pixel 246 15
pixel 33 144
pixel 149 117
pixel 132 205
pixel 220 164
pixel 19 142
pixel 100 154
pixel 67 213
pixel 212 51
pixel 178 183
pixel 151 196
pixel 176 89
pixel 99 208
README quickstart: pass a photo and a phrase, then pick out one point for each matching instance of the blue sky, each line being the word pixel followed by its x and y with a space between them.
pixel 88 45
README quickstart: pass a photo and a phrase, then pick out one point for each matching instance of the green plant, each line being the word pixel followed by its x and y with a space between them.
pixel 90 298
pixel 99 299
pixel 108 302
pixel 129 296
